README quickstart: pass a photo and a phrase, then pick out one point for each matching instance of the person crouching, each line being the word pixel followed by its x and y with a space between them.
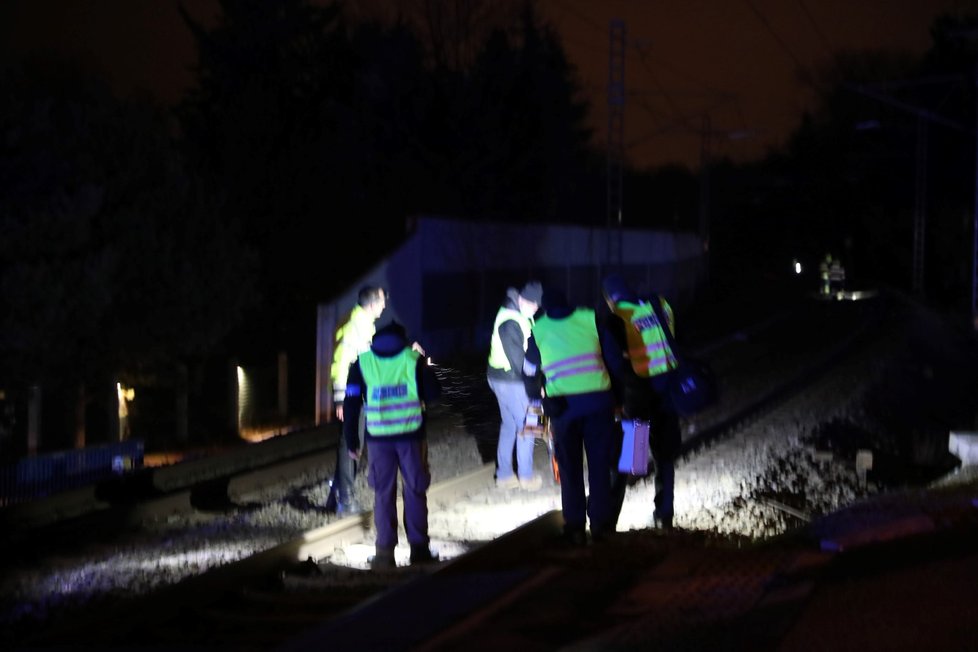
pixel 392 383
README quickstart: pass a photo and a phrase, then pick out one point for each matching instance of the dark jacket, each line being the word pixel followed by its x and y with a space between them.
pixel 511 335
pixel 387 342
pixel 575 404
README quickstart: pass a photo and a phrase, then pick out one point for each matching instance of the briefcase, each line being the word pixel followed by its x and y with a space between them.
pixel 634 458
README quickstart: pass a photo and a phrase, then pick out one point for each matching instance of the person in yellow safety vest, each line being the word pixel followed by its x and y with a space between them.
pixel 823 274
pixel 352 339
pixel 837 276
pixel 392 383
pixel 638 328
pixel 510 333
pixel 572 364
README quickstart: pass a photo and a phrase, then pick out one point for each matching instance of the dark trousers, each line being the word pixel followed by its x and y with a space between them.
pixel 665 441
pixel 664 446
pixel 346 467
pixel 575 435
pixel 410 457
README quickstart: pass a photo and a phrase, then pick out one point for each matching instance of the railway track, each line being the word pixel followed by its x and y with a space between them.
pixel 286 584
pixel 855 326
pixel 263 592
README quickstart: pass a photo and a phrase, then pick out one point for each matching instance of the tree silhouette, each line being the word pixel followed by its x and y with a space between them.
pixel 110 262
pixel 324 136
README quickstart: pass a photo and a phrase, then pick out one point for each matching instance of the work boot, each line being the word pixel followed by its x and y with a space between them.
pixel 383 560
pixel 421 554
pixel 602 535
pixel 533 483
pixel 511 482
pixel 574 538
pixel 349 508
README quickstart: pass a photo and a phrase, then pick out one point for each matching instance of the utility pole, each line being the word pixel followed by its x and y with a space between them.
pixel 920 209
pixel 974 226
pixel 970 35
pixel 706 142
pixel 616 133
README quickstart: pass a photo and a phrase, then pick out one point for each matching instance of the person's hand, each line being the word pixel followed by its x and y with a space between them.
pixel 339 411
pixel 354 455
pixel 417 347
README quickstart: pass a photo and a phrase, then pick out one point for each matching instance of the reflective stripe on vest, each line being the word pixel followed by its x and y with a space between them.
pixel 570 354
pixel 392 403
pixel 497 355
pixel 648 349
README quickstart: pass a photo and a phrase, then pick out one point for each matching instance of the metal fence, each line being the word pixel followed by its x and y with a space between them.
pixel 50 473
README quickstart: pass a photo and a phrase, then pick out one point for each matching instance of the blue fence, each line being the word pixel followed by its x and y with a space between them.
pixel 50 473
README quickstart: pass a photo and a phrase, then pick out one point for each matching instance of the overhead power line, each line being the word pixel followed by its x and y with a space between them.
pixel 767 25
pixel 818 31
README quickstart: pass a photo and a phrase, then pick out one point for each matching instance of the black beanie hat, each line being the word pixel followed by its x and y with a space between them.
pixel 393 328
pixel 532 291
pixel 616 289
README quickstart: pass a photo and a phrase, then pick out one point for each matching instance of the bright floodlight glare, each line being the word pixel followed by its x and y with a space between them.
pixel 797 267
pixel 243 396
pixel 480 522
pixel 357 555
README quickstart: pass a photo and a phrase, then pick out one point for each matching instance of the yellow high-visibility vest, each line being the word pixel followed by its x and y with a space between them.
pixel 392 403
pixel 352 339
pixel 648 347
pixel 570 354
pixel 497 355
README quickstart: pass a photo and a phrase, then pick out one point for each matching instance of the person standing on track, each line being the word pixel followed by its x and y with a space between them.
pixel 391 384
pixel 570 363
pixel 638 324
pixel 510 333
pixel 352 339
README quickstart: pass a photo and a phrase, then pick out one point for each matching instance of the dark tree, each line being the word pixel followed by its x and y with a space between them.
pixel 110 261
pixel 324 136
pixel 274 83
pixel 505 137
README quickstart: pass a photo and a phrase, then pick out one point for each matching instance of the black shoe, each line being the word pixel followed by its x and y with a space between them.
pixel 574 538
pixel 662 522
pixel 331 501
pixel 602 535
pixel 383 560
pixel 422 555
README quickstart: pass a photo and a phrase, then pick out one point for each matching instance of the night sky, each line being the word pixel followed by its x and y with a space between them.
pixel 740 61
